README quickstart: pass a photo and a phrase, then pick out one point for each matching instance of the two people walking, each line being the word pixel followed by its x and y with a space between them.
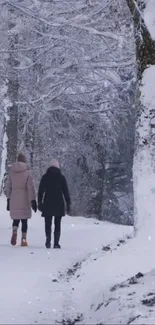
pixel 53 199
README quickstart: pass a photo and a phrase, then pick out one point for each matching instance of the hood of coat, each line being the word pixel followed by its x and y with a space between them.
pixel 19 167
pixel 53 172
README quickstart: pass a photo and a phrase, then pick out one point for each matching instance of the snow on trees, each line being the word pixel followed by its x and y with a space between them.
pixel 75 98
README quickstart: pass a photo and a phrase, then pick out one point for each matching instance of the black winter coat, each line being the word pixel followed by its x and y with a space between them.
pixel 53 190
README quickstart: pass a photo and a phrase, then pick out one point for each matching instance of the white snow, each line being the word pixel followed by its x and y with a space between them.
pixel 149 17
pixel 131 302
pixel 147 88
pixel 144 176
pixel 28 294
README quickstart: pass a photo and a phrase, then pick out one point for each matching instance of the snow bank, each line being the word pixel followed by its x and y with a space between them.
pixel 131 302
pixel 90 291
pixel 147 88
pixel 144 175
pixel 149 17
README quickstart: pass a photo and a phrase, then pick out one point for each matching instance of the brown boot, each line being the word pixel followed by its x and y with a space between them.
pixel 14 238
pixel 24 241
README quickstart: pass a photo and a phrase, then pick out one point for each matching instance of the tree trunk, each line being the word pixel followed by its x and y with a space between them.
pixel 11 110
pixel 144 141
pixel 13 86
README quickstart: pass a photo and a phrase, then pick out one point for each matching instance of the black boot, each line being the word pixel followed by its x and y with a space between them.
pixel 48 222
pixel 57 246
pixel 48 242
pixel 56 240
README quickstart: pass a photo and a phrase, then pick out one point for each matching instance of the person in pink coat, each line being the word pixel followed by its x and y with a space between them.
pixel 21 197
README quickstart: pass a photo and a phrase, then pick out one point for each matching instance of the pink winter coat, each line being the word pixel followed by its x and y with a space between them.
pixel 20 191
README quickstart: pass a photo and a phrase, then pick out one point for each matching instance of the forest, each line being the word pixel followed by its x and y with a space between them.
pixel 68 91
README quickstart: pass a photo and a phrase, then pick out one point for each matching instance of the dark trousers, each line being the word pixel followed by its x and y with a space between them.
pixel 57 228
pixel 15 225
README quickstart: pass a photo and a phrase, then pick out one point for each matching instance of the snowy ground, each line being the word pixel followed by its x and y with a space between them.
pixel 131 302
pixel 35 284
pixel 92 280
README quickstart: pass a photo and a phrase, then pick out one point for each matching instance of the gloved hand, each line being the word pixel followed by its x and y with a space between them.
pixel 34 205
pixel 8 205
pixel 68 209
pixel 40 207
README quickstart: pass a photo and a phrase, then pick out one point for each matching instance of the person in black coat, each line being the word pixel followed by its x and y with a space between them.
pixel 52 195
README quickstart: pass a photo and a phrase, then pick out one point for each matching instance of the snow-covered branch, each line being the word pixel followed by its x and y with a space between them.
pixel 73 64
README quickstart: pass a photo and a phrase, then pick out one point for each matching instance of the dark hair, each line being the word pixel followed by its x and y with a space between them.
pixel 21 157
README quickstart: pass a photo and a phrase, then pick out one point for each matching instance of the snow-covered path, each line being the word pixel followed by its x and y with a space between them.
pixel 30 290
